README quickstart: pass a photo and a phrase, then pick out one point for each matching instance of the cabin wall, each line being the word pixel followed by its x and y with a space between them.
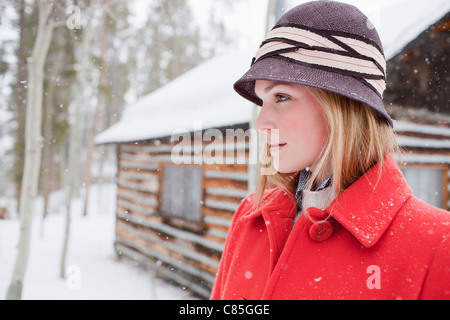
pixel 417 98
pixel 418 75
pixel 182 251
pixel 426 159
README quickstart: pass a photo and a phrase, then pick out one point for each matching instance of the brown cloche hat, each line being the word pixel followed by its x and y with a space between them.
pixel 323 44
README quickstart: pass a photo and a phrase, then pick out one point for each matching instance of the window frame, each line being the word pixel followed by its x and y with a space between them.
pixel 173 218
pixel 445 178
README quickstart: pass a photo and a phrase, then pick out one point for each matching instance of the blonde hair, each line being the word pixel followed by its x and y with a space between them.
pixel 357 139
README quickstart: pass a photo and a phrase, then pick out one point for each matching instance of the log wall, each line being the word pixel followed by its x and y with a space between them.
pixel 188 255
pixel 426 146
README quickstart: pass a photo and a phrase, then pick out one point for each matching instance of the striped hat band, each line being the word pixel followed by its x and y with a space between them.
pixel 341 52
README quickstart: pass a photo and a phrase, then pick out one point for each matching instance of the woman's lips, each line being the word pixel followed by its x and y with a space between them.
pixel 276 147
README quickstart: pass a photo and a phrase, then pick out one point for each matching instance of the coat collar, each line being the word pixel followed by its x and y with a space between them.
pixel 279 201
pixel 368 206
pixel 365 209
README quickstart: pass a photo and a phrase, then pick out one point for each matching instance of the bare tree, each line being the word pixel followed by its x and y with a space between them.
pixel 96 120
pixel 83 57
pixel 33 145
pixel 19 93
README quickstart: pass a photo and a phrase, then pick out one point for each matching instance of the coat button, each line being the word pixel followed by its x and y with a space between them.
pixel 321 231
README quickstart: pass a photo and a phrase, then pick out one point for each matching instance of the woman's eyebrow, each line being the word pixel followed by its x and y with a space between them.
pixel 273 85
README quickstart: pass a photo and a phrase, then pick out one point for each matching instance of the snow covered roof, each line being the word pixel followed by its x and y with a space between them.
pixel 204 94
pixel 401 22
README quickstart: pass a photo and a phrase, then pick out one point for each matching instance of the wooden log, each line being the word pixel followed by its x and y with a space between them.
pixel 174 232
pixel 201 288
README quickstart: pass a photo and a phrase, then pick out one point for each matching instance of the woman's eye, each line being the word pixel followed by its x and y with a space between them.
pixel 281 98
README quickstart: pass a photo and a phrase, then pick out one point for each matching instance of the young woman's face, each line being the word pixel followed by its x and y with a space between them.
pixel 295 114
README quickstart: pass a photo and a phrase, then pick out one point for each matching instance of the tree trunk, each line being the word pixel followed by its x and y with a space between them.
pixel 20 104
pixel 76 135
pixel 94 131
pixel 48 151
pixel 33 147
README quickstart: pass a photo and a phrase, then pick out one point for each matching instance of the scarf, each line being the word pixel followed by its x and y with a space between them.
pixel 304 176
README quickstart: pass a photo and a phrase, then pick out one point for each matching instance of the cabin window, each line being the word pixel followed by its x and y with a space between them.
pixel 182 194
pixel 429 184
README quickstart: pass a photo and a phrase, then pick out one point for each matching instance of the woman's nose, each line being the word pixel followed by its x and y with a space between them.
pixel 264 120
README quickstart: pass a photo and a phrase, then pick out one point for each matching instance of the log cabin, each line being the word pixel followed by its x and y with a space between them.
pixel 183 159
pixel 418 98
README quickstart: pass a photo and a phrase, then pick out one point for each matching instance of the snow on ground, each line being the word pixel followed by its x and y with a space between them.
pixel 94 273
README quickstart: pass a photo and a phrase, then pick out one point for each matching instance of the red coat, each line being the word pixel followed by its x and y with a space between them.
pixel 384 244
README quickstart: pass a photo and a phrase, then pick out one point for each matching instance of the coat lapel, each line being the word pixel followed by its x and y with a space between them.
pixel 277 215
pixel 368 206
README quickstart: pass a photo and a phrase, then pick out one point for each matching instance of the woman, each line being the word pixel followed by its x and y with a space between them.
pixel 337 220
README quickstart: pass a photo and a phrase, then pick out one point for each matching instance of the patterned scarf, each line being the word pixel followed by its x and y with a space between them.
pixel 303 180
